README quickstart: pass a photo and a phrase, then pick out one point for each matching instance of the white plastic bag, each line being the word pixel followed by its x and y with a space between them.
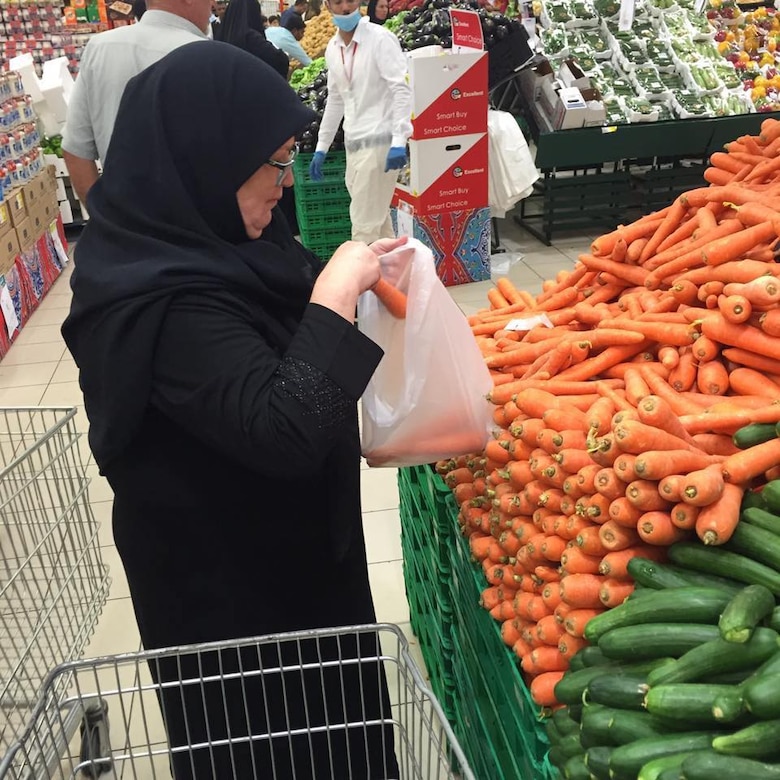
pixel 426 400
pixel 511 167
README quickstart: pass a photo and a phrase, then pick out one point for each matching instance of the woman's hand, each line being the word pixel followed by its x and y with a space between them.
pixel 385 245
pixel 353 269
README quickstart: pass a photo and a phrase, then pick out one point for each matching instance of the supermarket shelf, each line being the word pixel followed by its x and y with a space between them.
pixel 685 137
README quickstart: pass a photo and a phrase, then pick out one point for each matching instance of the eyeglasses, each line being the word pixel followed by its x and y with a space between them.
pixel 283 167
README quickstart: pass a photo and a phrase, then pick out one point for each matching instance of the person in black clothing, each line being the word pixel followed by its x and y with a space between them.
pixel 242 26
pixel 378 11
pixel 221 369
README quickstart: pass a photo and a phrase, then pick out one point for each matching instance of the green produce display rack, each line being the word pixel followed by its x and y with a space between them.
pixel 474 675
pixel 322 208
pixel 598 177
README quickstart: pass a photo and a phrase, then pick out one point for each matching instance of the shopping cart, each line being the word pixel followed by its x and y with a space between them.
pixel 411 725
pixel 53 583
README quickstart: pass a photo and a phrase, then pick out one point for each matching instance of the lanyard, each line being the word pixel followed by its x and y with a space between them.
pixel 348 73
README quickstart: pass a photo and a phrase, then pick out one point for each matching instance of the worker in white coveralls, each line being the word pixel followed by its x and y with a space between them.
pixel 369 89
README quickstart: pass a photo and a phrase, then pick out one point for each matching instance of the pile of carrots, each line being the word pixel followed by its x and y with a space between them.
pixel 615 414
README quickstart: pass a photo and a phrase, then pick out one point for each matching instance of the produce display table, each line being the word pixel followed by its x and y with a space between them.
pixel 474 675
pixel 599 177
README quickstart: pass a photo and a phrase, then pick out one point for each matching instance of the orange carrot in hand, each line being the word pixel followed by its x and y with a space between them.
pixel 392 298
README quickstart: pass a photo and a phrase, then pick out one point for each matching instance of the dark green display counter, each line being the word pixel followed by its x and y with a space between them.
pixel 595 178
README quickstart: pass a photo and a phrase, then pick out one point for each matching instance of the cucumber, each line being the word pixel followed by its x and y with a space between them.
pixel 625 692
pixel 772 666
pixel 571 687
pixel 774 619
pixel 575 710
pixel 759 741
pixel 760 518
pixel 653 770
pixel 733 678
pixel 592 656
pixel 723 562
pixel 771 496
pixel 575 769
pixel 708 765
pixel 652 640
pixel 594 728
pixel 556 757
pixel 576 663
pixel 715 657
pixel 655 575
pixel 564 722
pixel 755 433
pixel 753 498
pixel 658 576
pixel 570 745
pixel 627 726
pixel 552 731
pixel 745 610
pixel 627 760
pixel 679 605
pixel 729 706
pixel 597 761
pixel 688 702
pixel 671 774
pixel 762 696
pixel 757 544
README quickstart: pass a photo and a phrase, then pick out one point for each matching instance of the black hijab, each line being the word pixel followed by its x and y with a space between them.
pixel 242 26
pixel 164 220
pixel 241 16
pixel 371 11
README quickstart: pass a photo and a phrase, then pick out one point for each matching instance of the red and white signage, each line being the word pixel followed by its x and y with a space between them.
pixel 447 174
pixel 449 94
pixel 466 30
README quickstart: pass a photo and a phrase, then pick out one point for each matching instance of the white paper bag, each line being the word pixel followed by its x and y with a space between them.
pixel 426 400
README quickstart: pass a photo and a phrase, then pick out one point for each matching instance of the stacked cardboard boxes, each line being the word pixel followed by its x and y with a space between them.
pixel 444 203
pixel 25 215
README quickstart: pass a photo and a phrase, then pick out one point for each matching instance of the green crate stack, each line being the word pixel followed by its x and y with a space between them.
pixel 493 714
pixel 427 577
pixel 322 207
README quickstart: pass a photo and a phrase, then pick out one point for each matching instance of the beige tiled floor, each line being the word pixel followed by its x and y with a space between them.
pixel 38 370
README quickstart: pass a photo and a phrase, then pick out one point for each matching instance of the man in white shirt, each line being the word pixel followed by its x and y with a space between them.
pixel 287 38
pixel 109 61
pixel 368 88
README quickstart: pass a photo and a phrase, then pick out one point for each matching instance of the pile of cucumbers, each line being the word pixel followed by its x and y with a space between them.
pixel 682 681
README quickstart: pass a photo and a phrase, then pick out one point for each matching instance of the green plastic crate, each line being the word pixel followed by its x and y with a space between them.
pixel 435 503
pixel 332 185
pixel 435 637
pixel 494 716
pixel 324 242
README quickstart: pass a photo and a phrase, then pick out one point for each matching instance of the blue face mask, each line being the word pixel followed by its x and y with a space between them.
pixel 348 22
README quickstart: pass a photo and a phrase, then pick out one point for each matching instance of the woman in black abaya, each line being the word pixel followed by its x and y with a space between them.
pixel 242 26
pixel 221 369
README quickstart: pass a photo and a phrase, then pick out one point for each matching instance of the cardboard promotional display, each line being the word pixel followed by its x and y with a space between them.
pixel 449 92
pixel 444 201
pixel 447 174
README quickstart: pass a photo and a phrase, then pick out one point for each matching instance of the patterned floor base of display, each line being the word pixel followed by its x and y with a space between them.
pixel 459 240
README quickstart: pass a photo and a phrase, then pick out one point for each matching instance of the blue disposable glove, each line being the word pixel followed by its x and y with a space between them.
pixel 315 166
pixel 396 158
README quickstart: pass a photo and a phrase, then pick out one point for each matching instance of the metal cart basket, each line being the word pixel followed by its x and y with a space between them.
pixel 412 723
pixel 53 583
